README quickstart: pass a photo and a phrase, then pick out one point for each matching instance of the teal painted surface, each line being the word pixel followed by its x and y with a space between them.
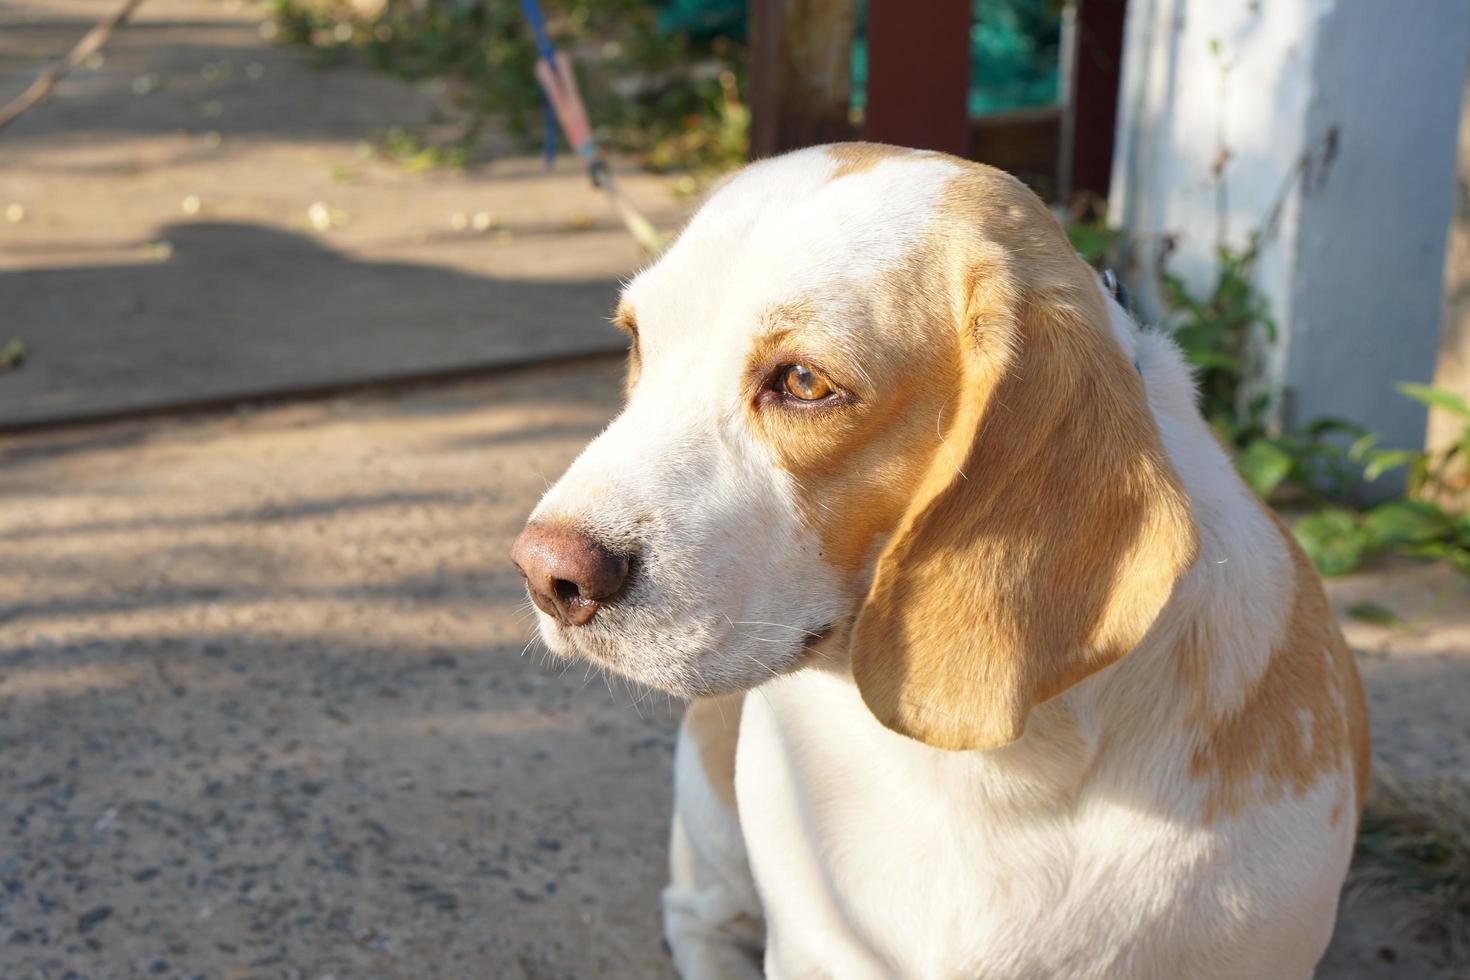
pixel 703 19
pixel 1013 47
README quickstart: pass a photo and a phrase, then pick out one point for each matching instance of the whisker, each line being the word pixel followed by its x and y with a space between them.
pixel 757 622
pixel 647 693
pixel 820 655
pixel 762 664
pixel 764 696
pixel 629 688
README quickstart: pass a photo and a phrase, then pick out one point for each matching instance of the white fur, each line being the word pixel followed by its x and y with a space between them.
pixel 1077 851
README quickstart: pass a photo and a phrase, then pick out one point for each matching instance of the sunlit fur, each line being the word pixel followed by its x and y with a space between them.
pixel 1039 688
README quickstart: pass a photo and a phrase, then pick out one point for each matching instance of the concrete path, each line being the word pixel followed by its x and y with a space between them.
pixel 200 216
pixel 265 711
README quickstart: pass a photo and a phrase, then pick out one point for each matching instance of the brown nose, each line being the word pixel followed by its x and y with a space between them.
pixel 568 573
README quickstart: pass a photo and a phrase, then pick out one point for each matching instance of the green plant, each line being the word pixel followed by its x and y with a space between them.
pixel 1093 239
pixel 673 102
pixel 415 154
pixel 1216 332
pixel 1417 524
pixel 1327 460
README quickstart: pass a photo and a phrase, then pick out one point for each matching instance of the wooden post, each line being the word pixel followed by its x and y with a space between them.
pixel 919 74
pixel 800 73
pixel 1095 98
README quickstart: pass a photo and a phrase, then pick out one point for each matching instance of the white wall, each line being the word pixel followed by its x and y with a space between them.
pixel 1353 270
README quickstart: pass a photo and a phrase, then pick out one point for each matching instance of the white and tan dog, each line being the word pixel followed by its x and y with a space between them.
pixel 1036 687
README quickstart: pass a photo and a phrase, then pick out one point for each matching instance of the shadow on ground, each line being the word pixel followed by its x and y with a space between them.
pixel 268 311
pixel 247 807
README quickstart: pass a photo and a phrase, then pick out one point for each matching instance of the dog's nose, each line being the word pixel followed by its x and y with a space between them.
pixel 568 573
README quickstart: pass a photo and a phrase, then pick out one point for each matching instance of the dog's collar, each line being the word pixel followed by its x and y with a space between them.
pixel 1119 292
pixel 1115 286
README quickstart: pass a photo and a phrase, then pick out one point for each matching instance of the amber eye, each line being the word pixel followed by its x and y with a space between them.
pixel 804 384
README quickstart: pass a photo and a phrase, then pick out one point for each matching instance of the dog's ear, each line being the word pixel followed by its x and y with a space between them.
pixel 1048 533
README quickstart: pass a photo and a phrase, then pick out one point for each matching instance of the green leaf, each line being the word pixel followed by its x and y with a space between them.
pixel 1268 322
pixel 1406 522
pixel 1255 410
pixel 1231 320
pixel 1418 473
pixel 1091 241
pixel 12 355
pixel 1333 539
pixel 1460 523
pixel 1461 448
pixel 1434 549
pixel 1209 359
pixel 1264 465
pixel 1331 426
pixel 1380 461
pixel 1371 612
pixel 1358 451
pixel 1176 295
pixel 1434 397
pixel 1226 429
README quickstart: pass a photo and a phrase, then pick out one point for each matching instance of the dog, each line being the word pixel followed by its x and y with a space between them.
pixel 997 668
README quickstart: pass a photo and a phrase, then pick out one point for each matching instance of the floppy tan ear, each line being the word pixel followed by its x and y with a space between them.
pixel 1046 537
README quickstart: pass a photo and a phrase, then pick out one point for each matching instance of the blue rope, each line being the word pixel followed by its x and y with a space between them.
pixel 532 10
pixel 597 168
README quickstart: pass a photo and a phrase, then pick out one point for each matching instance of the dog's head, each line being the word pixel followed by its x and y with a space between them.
pixel 872 394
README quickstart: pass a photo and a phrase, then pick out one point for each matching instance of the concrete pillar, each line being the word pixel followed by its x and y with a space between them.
pixel 1329 126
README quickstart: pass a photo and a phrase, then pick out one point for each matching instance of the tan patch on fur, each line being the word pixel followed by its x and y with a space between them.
pixel 1006 453
pixel 713 724
pixel 859 158
pixel 1304 718
pixel 635 370
pixel 855 466
pixel 627 322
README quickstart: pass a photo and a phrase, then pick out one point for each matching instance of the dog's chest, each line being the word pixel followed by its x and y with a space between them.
pixel 875 856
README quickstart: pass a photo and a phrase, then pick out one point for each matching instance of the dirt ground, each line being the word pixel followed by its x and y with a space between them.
pixel 266 710
pixel 201 214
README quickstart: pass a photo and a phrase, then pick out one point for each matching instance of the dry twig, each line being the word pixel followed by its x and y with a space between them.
pixel 47 80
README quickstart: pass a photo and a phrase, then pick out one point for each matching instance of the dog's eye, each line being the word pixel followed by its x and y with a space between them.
pixel 804 384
